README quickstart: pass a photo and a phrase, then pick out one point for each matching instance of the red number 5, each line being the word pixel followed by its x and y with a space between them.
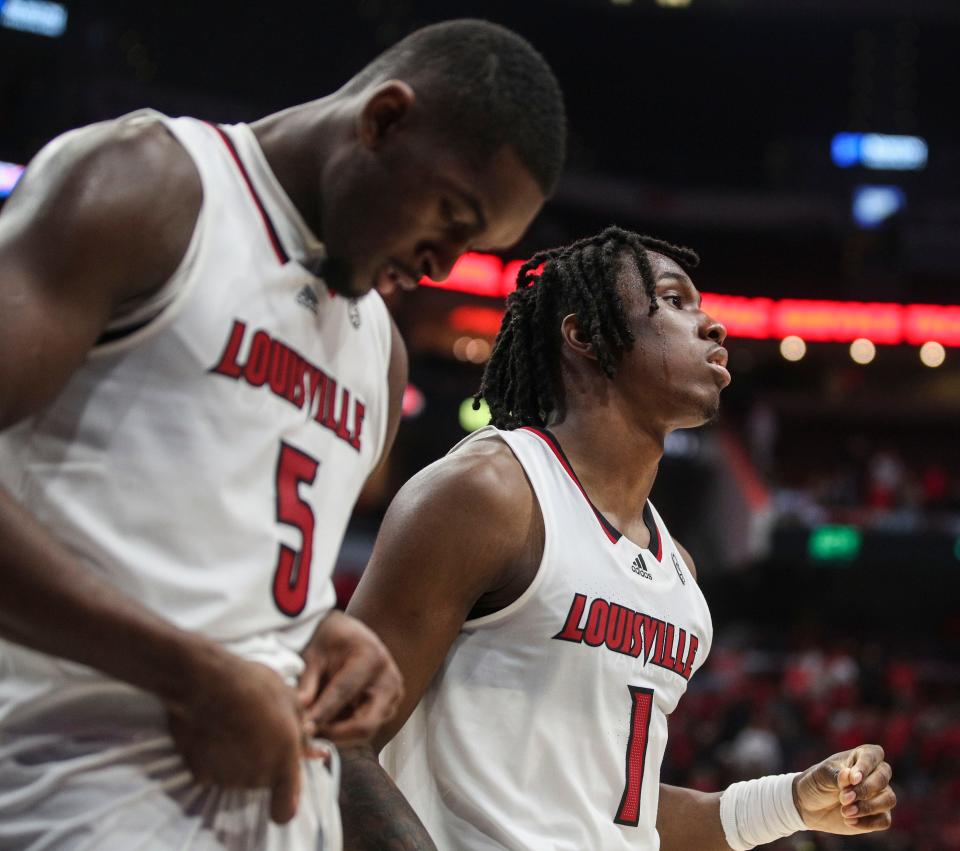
pixel 292 577
pixel 640 711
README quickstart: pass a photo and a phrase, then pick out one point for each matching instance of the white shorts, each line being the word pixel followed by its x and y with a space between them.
pixel 60 793
pixel 91 767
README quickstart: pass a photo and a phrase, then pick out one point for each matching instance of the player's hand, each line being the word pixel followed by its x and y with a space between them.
pixel 350 686
pixel 847 793
pixel 242 728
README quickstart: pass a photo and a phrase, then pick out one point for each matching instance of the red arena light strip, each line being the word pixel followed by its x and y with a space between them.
pixel 925 322
pixel 743 317
pixel 479 320
pixel 477 274
pixel 815 320
pixel 836 321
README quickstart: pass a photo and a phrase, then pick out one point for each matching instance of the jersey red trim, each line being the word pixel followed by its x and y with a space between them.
pixel 267 222
pixel 608 529
pixel 613 534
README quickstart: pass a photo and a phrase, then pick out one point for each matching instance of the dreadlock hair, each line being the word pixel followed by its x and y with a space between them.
pixel 521 382
pixel 483 87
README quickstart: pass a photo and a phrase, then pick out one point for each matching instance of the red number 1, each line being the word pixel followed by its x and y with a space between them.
pixel 292 577
pixel 640 711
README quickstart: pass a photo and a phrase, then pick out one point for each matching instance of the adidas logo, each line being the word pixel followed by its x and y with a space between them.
pixel 639 567
pixel 307 297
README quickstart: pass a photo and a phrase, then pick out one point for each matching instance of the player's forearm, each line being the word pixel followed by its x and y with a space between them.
pixel 375 814
pixel 52 603
pixel 689 819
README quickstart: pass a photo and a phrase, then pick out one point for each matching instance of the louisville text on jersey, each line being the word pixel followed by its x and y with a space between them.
pixel 622 630
pixel 271 363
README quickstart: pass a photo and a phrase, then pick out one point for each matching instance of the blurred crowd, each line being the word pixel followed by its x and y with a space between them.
pixel 882 491
pixel 897 479
pixel 761 707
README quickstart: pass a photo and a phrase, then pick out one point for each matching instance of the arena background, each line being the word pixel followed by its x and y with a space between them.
pixel 824 508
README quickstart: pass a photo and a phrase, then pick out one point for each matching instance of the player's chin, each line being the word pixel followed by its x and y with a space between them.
pixel 340 278
pixel 711 412
pixel 703 408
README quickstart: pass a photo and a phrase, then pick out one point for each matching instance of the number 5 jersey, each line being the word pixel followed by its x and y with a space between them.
pixel 207 455
pixel 546 725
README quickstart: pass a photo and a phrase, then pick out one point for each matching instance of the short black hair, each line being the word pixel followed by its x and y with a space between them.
pixel 485 87
pixel 522 381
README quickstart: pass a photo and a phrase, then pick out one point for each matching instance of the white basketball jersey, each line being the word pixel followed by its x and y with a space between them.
pixel 546 726
pixel 206 462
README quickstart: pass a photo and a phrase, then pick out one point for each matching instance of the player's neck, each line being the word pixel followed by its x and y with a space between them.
pixel 615 461
pixel 297 143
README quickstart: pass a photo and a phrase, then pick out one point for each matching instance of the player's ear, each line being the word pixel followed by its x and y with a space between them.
pixel 574 338
pixel 384 111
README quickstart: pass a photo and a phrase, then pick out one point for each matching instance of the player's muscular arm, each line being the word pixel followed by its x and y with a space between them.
pixel 462 533
pixel 689 819
pixel 91 224
pixel 103 215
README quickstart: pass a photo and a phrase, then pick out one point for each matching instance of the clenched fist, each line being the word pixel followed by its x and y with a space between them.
pixel 847 793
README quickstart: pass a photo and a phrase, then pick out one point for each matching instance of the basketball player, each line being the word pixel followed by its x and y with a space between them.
pixel 544 620
pixel 194 386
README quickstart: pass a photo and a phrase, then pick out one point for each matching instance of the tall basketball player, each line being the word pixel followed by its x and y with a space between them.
pixel 545 622
pixel 194 386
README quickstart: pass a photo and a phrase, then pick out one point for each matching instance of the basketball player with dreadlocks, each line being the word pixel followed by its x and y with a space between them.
pixel 545 621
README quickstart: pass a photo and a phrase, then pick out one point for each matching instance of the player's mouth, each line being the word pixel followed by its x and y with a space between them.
pixel 717 359
pixel 395 274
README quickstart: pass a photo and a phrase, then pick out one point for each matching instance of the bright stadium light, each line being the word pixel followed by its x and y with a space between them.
pixel 893 153
pixel 40 17
pixel 879 151
pixel 873 205
pixel 793 348
pixel 862 351
pixel 9 175
pixel 932 354
pixel 845 149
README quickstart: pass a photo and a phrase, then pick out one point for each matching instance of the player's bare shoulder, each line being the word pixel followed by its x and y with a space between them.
pixel 478 502
pixel 490 481
pixel 95 192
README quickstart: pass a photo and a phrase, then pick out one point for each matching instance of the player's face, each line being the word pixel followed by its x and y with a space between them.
pixel 677 367
pixel 416 208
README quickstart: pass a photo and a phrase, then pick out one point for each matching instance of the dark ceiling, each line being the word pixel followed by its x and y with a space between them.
pixel 709 123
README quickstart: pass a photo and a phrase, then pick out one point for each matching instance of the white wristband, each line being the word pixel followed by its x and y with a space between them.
pixel 755 812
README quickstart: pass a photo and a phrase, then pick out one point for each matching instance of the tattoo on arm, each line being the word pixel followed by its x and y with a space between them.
pixel 376 816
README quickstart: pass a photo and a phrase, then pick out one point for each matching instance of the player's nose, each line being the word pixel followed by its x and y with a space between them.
pixel 436 260
pixel 713 330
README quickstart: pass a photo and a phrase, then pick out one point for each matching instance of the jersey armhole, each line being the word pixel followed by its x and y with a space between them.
pixel 141 318
pixel 498 617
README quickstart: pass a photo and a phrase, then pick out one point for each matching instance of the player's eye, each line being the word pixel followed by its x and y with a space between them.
pixel 675 300
pixel 451 217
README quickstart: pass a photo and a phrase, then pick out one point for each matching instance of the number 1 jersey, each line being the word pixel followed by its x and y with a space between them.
pixel 546 725
pixel 207 455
